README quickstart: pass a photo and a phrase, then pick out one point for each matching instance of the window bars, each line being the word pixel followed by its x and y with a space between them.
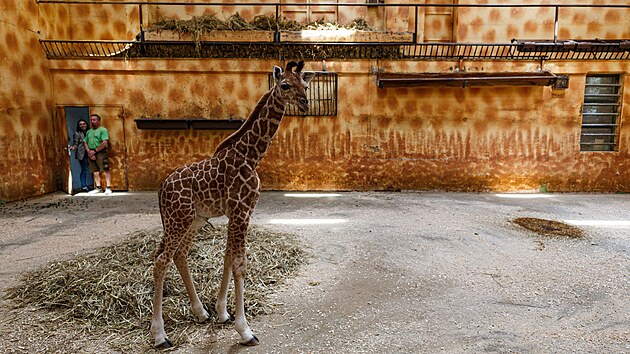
pixel 322 95
pixel 600 113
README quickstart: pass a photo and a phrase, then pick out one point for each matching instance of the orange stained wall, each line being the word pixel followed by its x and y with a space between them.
pixel 154 13
pixel 472 139
pixel 500 25
pixel 465 24
pixel 27 135
pixel 417 138
pixel 89 21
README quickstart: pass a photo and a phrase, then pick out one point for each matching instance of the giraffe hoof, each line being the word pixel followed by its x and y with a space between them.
pixel 164 345
pixel 229 321
pixel 251 343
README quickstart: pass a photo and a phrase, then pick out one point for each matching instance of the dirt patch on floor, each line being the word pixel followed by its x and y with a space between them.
pixel 545 227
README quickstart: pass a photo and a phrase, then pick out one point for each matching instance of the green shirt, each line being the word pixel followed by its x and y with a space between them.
pixel 94 137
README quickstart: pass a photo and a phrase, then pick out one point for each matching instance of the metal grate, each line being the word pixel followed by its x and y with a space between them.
pixel 322 95
pixel 600 113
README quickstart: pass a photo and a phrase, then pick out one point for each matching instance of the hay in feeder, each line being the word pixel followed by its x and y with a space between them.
pixel 549 227
pixel 198 25
pixel 110 292
pixel 237 23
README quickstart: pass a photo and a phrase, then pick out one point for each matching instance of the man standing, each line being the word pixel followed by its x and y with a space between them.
pixel 96 141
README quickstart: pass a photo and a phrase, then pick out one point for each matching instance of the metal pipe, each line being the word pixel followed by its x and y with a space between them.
pixel 555 30
pixel 276 35
pixel 415 29
pixel 113 2
pixel 141 24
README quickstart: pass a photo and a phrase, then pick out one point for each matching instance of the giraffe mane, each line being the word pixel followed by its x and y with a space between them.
pixel 249 122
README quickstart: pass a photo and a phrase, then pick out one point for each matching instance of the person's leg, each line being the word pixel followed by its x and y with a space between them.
pixel 103 160
pixel 85 167
pixel 96 171
pixel 108 179
pixel 97 180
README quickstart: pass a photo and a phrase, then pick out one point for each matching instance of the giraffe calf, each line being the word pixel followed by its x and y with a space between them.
pixel 224 184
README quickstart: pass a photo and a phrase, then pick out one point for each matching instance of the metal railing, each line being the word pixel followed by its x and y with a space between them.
pixel 85 49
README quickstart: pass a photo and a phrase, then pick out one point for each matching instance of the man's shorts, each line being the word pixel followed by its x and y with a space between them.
pixel 101 163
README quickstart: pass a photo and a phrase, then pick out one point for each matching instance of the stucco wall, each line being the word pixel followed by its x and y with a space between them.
pixel 506 138
pixel 494 138
pixel 27 144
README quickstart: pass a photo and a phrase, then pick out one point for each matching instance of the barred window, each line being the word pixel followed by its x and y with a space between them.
pixel 600 113
pixel 322 95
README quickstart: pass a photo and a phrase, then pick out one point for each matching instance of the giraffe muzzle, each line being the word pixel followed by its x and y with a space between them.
pixel 303 104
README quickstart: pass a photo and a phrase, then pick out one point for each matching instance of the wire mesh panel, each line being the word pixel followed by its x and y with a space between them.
pixel 600 113
pixel 322 95
pixel 85 49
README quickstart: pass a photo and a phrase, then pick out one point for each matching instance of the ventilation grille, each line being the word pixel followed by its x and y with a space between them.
pixel 600 113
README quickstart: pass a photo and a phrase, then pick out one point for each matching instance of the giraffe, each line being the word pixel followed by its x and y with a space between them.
pixel 224 184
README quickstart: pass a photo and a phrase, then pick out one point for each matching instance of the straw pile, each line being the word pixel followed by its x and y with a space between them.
pixel 549 227
pixel 110 292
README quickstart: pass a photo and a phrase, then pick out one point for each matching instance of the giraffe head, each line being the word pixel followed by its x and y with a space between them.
pixel 292 84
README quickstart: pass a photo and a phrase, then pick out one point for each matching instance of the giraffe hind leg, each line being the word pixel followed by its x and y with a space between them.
pixel 174 237
pixel 160 265
pixel 181 262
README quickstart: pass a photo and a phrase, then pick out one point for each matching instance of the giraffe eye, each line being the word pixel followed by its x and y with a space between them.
pixel 285 86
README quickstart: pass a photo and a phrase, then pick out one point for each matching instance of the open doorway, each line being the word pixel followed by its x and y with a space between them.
pixel 73 115
pixel 112 118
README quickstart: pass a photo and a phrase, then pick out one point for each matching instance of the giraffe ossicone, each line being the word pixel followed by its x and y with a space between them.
pixel 224 184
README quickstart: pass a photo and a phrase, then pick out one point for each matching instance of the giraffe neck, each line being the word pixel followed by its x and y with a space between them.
pixel 261 126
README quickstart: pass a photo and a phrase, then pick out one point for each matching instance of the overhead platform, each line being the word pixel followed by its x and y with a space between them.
pixel 476 79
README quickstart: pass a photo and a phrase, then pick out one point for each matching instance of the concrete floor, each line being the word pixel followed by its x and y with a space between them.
pixel 396 272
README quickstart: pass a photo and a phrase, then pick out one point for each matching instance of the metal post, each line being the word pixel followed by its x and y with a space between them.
pixel 555 30
pixel 276 35
pixel 415 32
pixel 141 24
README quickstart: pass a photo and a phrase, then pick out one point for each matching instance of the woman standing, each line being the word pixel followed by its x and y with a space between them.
pixel 80 154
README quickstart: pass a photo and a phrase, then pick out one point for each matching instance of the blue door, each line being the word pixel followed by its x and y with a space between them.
pixel 73 114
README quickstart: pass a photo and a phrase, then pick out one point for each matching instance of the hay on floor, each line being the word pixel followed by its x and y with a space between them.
pixel 110 292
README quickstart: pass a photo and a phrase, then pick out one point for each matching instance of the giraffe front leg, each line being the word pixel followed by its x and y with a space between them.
pixel 236 263
pixel 221 305
pixel 239 266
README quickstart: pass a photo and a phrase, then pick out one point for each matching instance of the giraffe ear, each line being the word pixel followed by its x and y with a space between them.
pixel 308 76
pixel 277 73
